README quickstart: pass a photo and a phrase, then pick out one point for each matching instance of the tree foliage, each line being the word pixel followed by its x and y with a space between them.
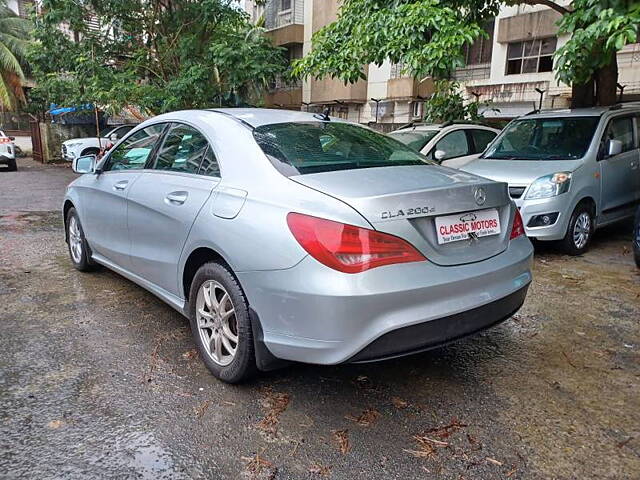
pixel 14 41
pixel 448 105
pixel 598 29
pixel 161 55
pixel 428 37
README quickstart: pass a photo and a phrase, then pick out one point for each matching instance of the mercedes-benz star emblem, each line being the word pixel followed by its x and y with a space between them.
pixel 480 195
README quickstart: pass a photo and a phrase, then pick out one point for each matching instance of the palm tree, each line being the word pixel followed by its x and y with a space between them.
pixel 14 40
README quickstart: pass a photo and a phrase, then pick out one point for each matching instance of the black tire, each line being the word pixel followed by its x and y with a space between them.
pixel 243 364
pixel 81 261
pixel 13 166
pixel 570 245
pixel 636 238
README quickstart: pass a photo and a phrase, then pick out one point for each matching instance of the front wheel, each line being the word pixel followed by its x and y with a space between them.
pixel 220 324
pixel 579 232
pixel 78 247
pixel 13 166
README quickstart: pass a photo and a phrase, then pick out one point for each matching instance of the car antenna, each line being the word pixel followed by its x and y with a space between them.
pixel 324 116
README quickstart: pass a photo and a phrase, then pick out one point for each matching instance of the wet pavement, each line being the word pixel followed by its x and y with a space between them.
pixel 99 379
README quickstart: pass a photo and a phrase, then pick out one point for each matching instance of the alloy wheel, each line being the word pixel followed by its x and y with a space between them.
pixel 582 230
pixel 75 240
pixel 217 324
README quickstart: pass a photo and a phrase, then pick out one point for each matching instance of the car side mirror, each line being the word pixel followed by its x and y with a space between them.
pixel 84 164
pixel 113 137
pixel 12 138
pixel 439 155
pixel 614 147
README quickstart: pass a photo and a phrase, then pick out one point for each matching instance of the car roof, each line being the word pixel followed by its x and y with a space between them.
pixel 582 112
pixel 256 117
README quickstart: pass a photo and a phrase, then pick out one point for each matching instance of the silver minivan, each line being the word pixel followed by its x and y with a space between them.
pixel 569 171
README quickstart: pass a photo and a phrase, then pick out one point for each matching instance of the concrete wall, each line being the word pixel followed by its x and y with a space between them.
pixel 53 134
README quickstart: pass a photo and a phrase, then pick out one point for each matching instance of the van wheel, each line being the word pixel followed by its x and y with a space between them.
pixel 13 166
pixel 220 323
pixel 636 238
pixel 580 230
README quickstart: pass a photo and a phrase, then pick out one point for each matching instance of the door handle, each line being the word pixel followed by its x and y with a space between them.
pixel 121 185
pixel 176 198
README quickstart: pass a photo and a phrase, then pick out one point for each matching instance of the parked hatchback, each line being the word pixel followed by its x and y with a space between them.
pixel 298 237
pixel 449 144
pixel 569 171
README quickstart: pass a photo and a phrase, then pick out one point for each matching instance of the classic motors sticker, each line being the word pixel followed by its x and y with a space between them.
pixel 453 228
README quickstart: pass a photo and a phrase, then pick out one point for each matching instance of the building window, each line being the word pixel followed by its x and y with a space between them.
pixel 285 5
pixel 531 57
pixel 397 70
pixel 416 109
pixel 479 52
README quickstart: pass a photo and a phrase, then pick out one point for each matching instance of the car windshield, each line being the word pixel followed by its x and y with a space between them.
pixel 415 139
pixel 562 138
pixel 313 147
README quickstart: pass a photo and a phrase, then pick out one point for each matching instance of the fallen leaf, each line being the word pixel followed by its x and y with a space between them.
pixel 190 354
pixel 200 410
pixel 342 437
pixel 54 424
pixel 366 418
pixel 318 469
pixel 494 461
pixel 447 430
pixel 257 464
pixel 399 403
pixel 275 404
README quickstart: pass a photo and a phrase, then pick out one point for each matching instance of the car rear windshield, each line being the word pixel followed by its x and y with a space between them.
pixel 313 147
pixel 562 138
pixel 415 139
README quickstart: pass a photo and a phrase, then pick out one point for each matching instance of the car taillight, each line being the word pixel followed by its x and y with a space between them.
pixel 518 226
pixel 348 248
pixel 5 140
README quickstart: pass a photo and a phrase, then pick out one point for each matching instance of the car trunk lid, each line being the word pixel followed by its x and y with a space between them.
pixel 406 200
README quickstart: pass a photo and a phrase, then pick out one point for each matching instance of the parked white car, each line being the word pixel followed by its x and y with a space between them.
pixel 8 152
pixel 77 147
pixel 450 144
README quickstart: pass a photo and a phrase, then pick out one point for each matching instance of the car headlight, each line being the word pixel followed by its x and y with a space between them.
pixel 549 186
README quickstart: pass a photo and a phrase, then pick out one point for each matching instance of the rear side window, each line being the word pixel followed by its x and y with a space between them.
pixel 210 165
pixel 132 154
pixel 621 129
pixel 182 150
pixel 453 145
pixel 482 138
pixel 416 139
pixel 313 147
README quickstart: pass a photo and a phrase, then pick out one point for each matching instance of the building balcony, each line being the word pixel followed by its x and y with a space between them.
pixel 290 97
pixel 328 90
pixel 285 27
pixel 409 87
pixel 470 73
pixel 286 34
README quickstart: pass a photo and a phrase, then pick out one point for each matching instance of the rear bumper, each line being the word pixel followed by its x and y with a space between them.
pixel 310 313
pixel 436 333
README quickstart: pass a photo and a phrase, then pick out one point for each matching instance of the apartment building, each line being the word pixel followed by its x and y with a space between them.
pixel 512 68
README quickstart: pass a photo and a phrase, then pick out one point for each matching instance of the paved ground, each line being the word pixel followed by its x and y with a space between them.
pixel 99 379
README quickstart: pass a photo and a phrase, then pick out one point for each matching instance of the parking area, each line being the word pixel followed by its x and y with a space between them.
pixel 99 379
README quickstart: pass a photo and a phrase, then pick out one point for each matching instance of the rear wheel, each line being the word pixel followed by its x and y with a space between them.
pixel 220 324
pixel 13 166
pixel 580 230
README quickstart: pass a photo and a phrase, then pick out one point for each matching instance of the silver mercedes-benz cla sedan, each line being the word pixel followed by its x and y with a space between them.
pixel 290 236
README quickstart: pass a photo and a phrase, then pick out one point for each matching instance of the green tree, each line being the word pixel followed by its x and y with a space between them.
pixel 447 104
pixel 158 54
pixel 14 40
pixel 428 37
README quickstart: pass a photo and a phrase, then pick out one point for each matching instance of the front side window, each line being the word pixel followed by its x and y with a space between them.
pixel 621 129
pixel 532 56
pixel 285 5
pixel 416 139
pixel 558 138
pixel 482 138
pixel 182 150
pixel 314 147
pixel 132 154
pixel 453 145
